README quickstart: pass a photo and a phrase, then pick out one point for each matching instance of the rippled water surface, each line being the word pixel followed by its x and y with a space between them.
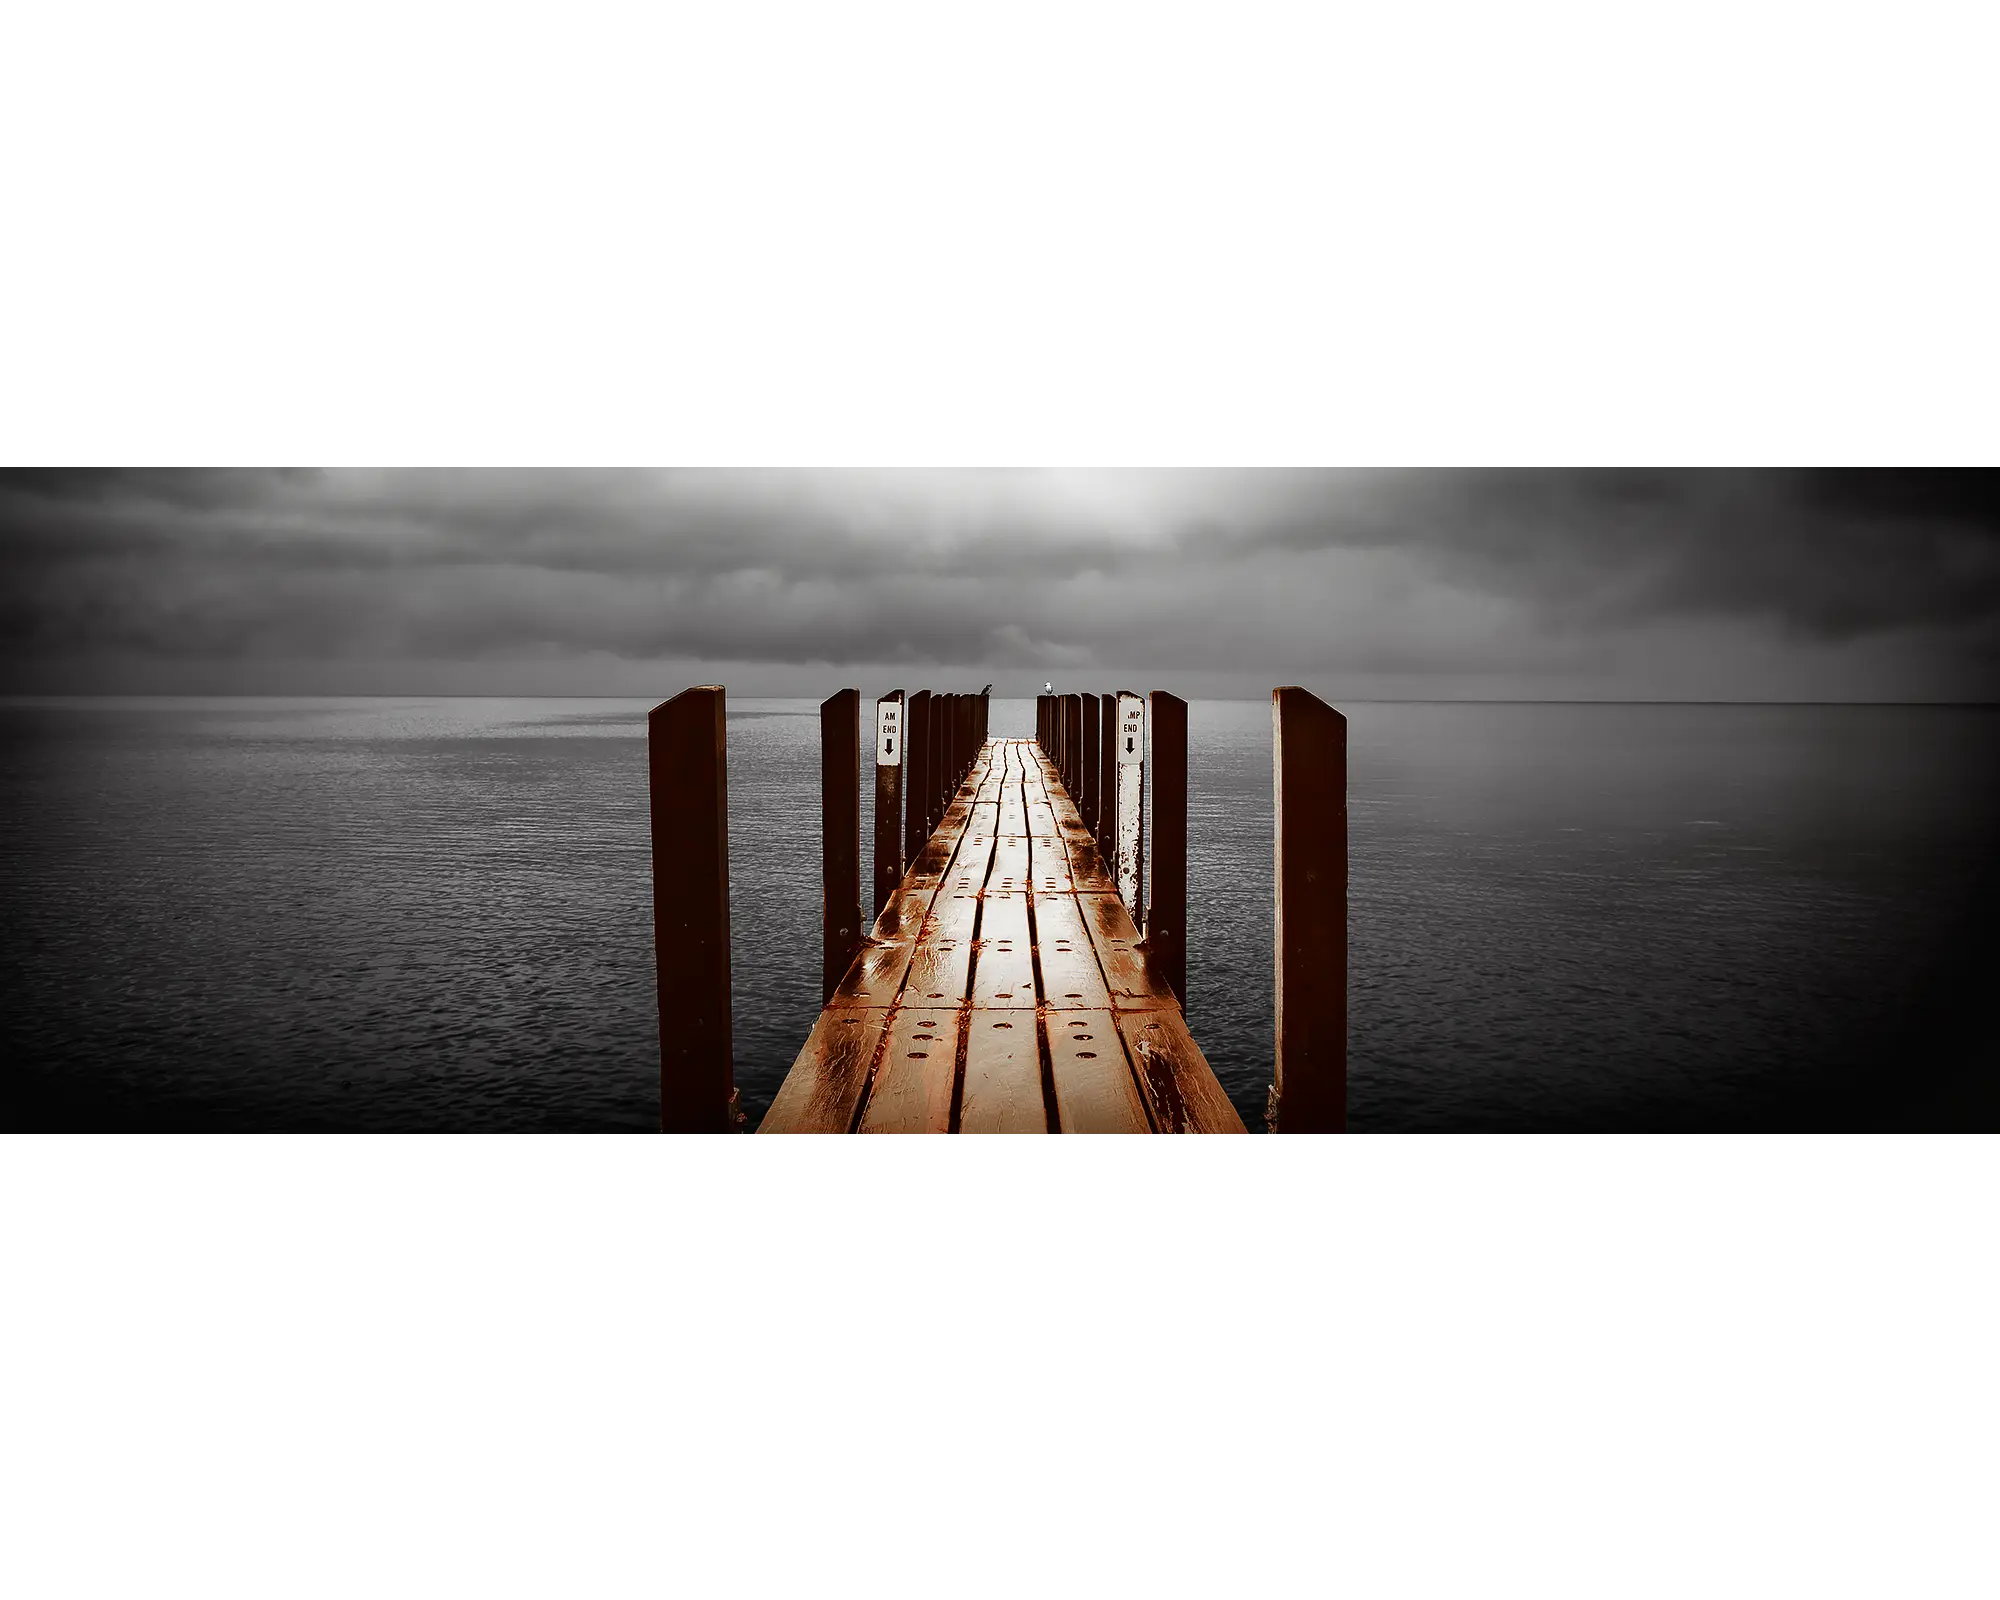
pixel 436 913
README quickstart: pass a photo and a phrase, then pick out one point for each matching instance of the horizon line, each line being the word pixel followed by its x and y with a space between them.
pixel 1381 700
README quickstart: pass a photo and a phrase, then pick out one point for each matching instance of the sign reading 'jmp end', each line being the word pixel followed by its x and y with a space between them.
pixel 888 733
pixel 1131 731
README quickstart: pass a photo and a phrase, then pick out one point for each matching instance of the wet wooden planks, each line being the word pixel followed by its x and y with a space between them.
pixel 1003 989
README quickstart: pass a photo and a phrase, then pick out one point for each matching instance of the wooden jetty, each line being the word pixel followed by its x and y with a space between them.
pixel 1024 971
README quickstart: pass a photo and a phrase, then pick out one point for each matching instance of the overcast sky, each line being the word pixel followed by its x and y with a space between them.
pixel 1359 584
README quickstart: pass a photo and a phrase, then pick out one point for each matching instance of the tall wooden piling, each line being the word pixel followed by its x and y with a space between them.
pixel 1087 766
pixel 943 769
pixel 1309 776
pixel 948 772
pixel 916 746
pixel 840 835
pixel 1130 756
pixel 1166 890
pixel 1107 776
pixel 934 767
pixel 889 759
pixel 687 776
pixel 1073 743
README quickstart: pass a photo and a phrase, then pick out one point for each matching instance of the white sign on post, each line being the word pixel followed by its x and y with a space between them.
pixel 888 733
pixel 1131 731
pixel 1131 798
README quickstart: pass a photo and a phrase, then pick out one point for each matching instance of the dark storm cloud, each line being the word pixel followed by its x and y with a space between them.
pixel 1830 554
pixel 1323 571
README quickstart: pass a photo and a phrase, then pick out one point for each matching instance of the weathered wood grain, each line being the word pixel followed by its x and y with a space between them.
pixel 1094 1088
pixel 940 968
pixel 1088 870
pixel 1072 978
pixel 1131 981
pixel 1174 1076
pixel 903 917
pixel 1003 1075
pixel 912 1091
pixel 876 974
pixel 1009 869
pixel 1011 813
pixel 1003 975
pixel 928 870
pixel 970 866
pixel 1051 869
pixel 823 1090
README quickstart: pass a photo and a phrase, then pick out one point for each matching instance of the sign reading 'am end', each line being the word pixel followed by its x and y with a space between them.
pixel 888 733
pixel 1131 731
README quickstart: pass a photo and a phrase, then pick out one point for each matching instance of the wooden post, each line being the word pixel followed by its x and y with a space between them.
pixel 1073 743
pixel 934 768
pixel 1166 892
pixel 889 757
pixel 1042 722
pixel 1131 759
pixel 840 836
pixel 917 734
pixel 947 779
pixel 688 780
pixel 1062 739
pixel 953 739
pixel 1107 776
pixel 1309 775
pixel 1077 754
pixel 1087 767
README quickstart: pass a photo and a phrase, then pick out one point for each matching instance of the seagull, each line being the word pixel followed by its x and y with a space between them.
pixel 1048 688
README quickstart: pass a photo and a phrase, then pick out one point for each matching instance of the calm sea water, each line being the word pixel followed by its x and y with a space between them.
pixel 436 914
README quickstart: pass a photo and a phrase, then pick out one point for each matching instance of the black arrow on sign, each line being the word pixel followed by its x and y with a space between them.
pixel 1128 747
pixel 891 749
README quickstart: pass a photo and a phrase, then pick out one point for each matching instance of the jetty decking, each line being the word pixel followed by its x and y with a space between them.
pixel 1025 973
pixel 1003 989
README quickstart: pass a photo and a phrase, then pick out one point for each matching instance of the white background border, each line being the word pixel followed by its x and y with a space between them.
pixel 891 235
